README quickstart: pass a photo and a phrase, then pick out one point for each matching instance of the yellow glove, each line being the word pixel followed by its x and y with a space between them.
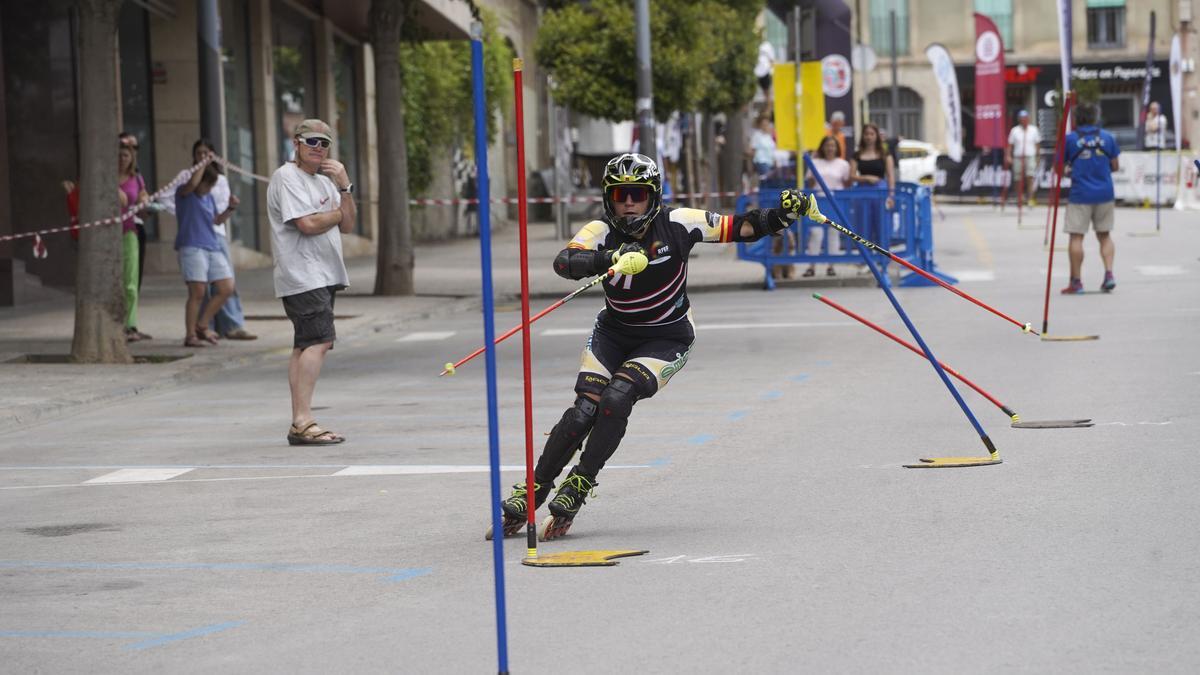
pixel 798 204
pixel 630 263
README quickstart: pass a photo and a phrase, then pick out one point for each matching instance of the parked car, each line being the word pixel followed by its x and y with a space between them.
pixel 918 161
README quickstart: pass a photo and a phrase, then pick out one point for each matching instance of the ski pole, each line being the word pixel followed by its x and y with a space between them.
pixel 1003 408
pixel 820 218
pixel 450 368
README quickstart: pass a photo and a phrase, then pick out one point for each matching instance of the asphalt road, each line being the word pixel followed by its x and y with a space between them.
pixel 180 533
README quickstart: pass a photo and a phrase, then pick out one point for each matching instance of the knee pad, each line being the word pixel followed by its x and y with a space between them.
pixel 565 438
pixel 618 399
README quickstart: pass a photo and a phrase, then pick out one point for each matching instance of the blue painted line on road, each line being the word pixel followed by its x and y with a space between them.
pixel 389 573
pixel 661 461
pixel 700 439
pixel 185 635
pixel 772 395
pixel 800 378
pixel 737 415
pixel 824 363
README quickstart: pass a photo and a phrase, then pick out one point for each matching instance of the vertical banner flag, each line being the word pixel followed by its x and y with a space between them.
pixel 1177 90
pixel 833 49
pixel 947 80
pixel 812 108
pixel 989 84
pixel 1064 40
pixel 1141 135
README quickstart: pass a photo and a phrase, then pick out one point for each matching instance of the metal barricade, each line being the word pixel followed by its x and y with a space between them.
pixel 906 230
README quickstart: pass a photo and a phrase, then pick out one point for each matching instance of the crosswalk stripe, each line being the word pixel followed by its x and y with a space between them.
pixel 138 475
pixel 973 275
pixel 428 336
pixel 1160 270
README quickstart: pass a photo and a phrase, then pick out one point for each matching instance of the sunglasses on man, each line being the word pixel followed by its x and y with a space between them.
pixel 620 193
pixel 315 142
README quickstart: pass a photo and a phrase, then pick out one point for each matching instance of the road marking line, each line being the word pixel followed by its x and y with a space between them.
pixel 429 336
pixel 138 475
pixel 185 635
pixel 980 244
pixel 558 332
pixel 1160 270
pixel 973 275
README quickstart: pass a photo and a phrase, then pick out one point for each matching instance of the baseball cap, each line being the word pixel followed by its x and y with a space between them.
pixel 1023 113
pixel 313 128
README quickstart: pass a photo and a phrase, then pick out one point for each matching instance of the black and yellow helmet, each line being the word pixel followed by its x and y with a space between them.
pixel 636 176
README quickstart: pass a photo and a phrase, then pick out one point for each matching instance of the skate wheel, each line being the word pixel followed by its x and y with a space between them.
pixel 553 527
pixel 487 536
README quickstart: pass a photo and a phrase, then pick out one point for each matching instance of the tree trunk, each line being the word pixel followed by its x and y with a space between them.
pixel 99 299
pixel 394 263
pixel 732 155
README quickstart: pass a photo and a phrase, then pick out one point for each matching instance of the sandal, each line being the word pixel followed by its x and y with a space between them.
pixel 193 341
pixel 311 434
pixel 207 335
pixel 829 272
pixel 809 272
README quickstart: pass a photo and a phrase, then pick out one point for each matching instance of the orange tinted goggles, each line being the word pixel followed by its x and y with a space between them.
pixel 621 193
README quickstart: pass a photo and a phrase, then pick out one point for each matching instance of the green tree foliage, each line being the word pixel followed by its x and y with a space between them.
pixel 438 95
pixel 702 55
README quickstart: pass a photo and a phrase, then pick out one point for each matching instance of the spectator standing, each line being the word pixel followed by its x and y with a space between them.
pixel 836 172
pixel 129 140
pixel 230 320
pixel 872 165
pixel 835 130
pixel 1091 154
pixel 199 251
pixel 762 147
pixel 1022 151
pixel 310 205
pixel 133 192
pixel 1156 127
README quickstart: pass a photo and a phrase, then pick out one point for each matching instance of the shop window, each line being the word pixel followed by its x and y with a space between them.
pixel 1116 112
pixel 239 119
pixel 345 85
pixel 294 61
pixel 136 104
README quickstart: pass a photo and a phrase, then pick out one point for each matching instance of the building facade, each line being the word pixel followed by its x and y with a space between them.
pixel 1111 39
pixel 277 62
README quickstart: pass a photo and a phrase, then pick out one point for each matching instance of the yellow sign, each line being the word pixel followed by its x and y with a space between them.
pixel 811 108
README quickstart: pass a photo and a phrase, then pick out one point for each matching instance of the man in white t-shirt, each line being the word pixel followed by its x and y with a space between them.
pixel 1156 128
pixel 1022 150
pixel 310 205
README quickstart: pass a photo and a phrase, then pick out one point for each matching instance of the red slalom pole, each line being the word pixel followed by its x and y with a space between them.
pixel 1058 173
pixel 451 368
pixel 867 243
pixel 522 219
pixel 1003 408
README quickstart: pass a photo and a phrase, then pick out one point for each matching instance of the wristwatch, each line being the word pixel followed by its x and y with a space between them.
pixel 349 189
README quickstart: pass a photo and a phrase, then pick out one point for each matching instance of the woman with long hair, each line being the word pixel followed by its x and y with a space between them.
pixel 133 192
pixel 872 165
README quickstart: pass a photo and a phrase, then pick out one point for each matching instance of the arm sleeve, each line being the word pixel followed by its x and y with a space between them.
pixel 583 256
pixel 705 226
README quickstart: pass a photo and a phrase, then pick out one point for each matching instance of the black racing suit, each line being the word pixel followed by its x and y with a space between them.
pixel 645 331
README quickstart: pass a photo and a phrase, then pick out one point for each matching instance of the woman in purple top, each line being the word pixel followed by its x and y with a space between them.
pixel 200 256
pixel 133 192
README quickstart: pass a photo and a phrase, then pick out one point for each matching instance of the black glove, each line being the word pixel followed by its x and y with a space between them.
pixel 797 203
pixel 613 254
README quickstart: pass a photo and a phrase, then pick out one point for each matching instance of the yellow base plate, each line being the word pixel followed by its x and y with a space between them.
pixel 953 462
pixel 1068 338
pixel 579 559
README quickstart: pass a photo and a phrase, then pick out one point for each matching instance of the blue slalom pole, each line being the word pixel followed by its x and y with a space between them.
pixel 489 335
pixel 987 442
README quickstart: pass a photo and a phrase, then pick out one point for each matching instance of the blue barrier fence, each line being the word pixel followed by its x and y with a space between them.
pixel 906 230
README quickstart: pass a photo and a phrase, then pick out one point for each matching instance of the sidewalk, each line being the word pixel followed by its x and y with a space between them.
pixel 447 278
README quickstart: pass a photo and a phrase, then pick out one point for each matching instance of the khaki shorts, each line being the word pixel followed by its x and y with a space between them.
pixel 1099 216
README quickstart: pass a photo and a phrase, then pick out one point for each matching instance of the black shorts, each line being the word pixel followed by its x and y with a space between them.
pixel 311 313
pixel 649 355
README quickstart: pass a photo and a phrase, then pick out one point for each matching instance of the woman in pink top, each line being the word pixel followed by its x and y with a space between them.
pixel 836 172
pixel 133 192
